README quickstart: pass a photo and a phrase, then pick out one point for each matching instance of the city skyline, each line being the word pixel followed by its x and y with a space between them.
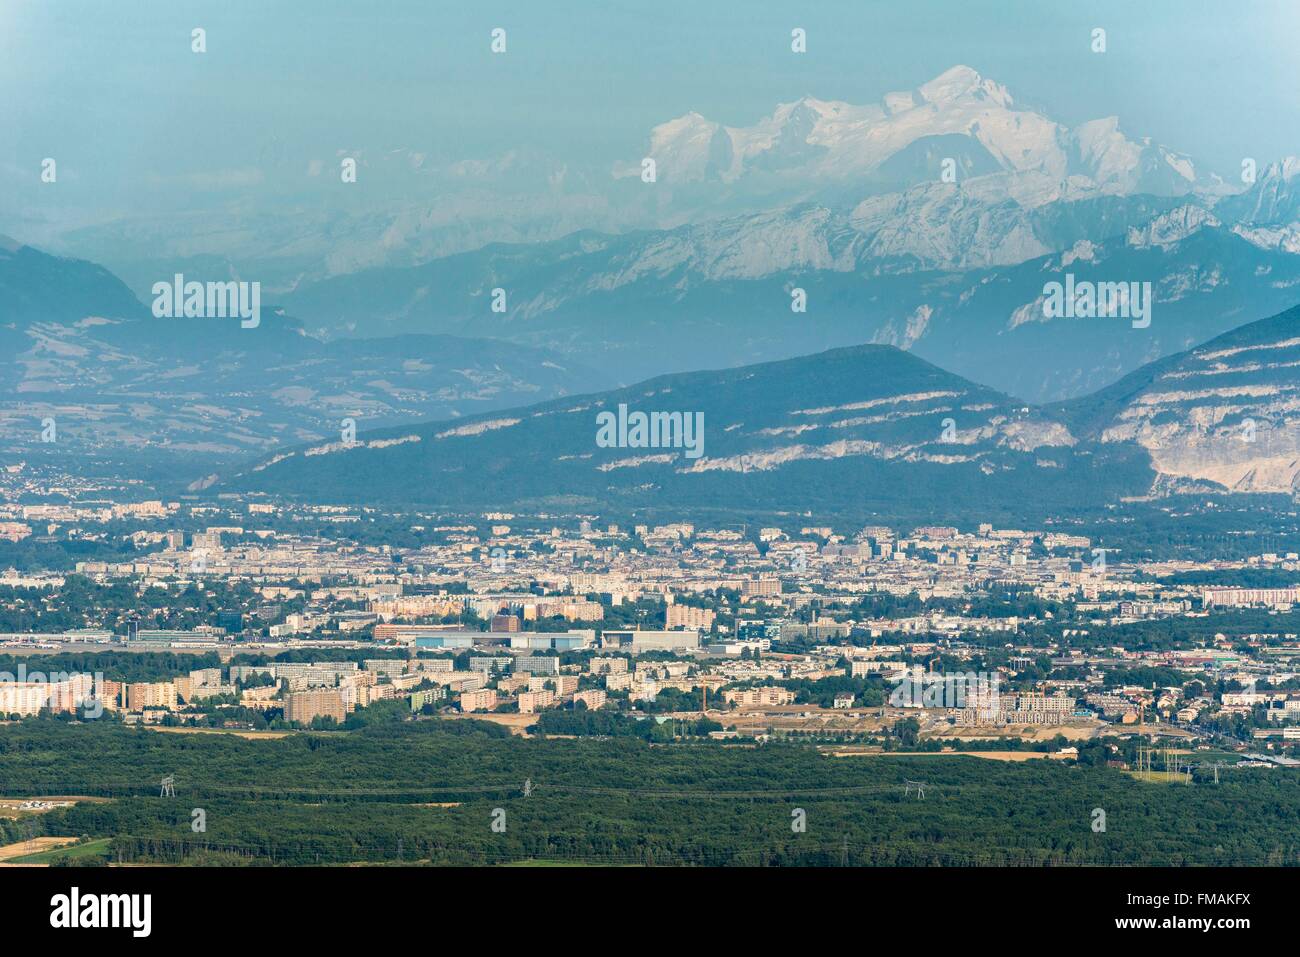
pixel 645 437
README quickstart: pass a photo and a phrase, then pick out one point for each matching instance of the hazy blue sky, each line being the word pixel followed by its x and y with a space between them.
pixel 113 91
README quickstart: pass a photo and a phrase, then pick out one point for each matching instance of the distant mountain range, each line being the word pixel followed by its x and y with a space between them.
pixel 36 287
pixel 812 149
pixel 78 347
pixel 293 224
pixel 852 205
pixel 1008 158
pixel 646 303
pixel 867 428
pixel 847 208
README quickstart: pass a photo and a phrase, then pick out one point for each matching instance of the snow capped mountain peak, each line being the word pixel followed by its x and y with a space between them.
pixel 833 140
pixel 1273 199
pixel 813 105
pixel 688 124
pixel 1117 164
pixel 691 147
pixel 960 82
pixel 959 119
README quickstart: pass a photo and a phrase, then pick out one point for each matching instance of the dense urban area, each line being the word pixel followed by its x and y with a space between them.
pixel 250 622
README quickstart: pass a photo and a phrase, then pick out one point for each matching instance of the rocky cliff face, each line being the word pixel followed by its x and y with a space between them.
pixel 1227 412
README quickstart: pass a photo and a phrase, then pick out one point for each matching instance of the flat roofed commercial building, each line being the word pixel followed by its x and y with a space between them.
pixel 141 695
pixel 638 641
pixel 760 587
pixel 593 699
pixel 531 701
pixel 483 699
pixel 23 698
pixel 537 665
pixel 1237 597
pixel 553 641
pixel 687 616
pixel 759 697
pixel 304 706
pixel 447 640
